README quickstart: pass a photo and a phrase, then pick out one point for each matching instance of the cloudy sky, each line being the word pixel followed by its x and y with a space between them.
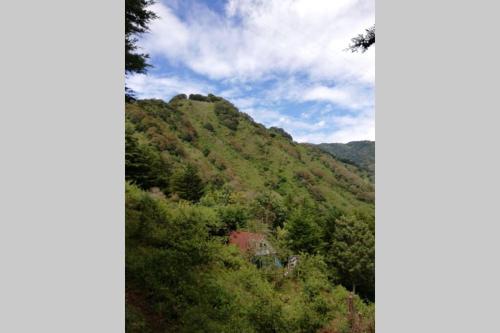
pixel 281 61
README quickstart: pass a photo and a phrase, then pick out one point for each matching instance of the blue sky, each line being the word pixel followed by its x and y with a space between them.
pixel 281 61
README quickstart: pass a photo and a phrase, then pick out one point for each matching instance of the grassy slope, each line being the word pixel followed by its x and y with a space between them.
pixel 251 160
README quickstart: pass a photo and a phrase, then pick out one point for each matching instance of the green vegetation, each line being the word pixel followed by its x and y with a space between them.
pixel 187 184
pixel 137 18
pixel 197 169
pixel 359 153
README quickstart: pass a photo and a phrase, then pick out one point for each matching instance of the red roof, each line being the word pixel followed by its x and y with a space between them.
pixel 244 240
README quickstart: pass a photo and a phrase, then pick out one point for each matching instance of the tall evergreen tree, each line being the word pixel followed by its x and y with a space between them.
pixel 137 18
pixel 143 165
pixel 187 184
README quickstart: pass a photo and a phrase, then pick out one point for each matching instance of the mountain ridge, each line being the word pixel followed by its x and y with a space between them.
pixel 360 153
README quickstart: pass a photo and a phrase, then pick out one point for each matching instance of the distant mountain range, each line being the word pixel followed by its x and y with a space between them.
pixel 359 153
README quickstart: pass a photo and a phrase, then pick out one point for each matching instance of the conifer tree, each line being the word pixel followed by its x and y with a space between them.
pixel 143 165
pixel 137 18
pixel 187 184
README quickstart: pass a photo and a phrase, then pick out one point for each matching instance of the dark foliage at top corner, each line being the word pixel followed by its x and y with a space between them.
pixel 363 42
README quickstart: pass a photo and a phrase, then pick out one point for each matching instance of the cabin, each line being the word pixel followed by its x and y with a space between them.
pixel 257 246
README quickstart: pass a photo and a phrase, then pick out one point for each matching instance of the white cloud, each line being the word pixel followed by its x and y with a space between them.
pixel 347 128
pixel 294 48
pixel 149 86
pixel 274 118
pixel 349 97
pixel 257 38
pixel 327 129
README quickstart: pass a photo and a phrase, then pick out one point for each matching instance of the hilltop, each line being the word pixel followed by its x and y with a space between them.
pixel 197 169
pixel 228 147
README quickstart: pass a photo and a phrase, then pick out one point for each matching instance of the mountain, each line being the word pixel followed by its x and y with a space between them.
pixel 360 153
pixel 197 171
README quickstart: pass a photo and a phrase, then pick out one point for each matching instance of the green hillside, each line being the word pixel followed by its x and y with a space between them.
pixel 360 153
pixel 198 169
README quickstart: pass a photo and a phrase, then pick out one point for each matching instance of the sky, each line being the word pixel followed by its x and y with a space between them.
pixel 283 62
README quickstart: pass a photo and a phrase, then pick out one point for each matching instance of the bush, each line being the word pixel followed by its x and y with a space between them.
pixel 233 217
pixel 304 177
pixel 279 131
pixel 269 208
pixel 227 114
pixel 213 98
pixel 198 97
pixel 209 127
pixel 178 98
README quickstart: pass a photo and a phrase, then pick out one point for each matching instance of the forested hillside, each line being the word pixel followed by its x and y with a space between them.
pixel 360 153
pixel 198 169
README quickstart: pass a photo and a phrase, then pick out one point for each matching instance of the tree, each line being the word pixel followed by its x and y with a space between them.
pixel 187 184
pixel 352 255
pixel 363 42
pixel 303 233
pixel 328 225
pixel 137 18
pixel 144 165
pixel 232 217
pixel 269 208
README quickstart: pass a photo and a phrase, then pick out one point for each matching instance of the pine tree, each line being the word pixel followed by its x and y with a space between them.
pixel 187 184
pixel 136 164
pixel 137 18
pixel 144 165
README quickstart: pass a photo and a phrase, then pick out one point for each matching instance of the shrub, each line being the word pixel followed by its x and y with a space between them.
pixel 233 217
pixel 279 131
pixel 316 193
pixel 198 97
pixel 213 98
pixel 269 208
pixel 227 114
pixel 304 176
pixel 209 127
pixel 178 98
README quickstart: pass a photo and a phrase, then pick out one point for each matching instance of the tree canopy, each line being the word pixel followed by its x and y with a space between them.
pixel 187 184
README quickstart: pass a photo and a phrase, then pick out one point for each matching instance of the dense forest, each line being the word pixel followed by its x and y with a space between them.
pixel 197 171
